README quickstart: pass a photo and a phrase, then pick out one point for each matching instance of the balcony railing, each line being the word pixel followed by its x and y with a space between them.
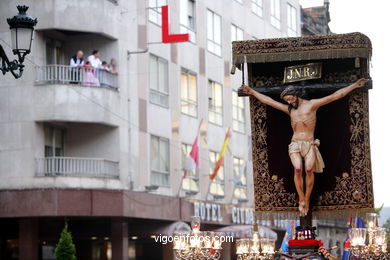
pixel 79 167
pixel 85 76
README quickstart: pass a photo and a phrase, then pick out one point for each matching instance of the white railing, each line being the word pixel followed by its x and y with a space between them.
pixel 81 167
pixel 85 76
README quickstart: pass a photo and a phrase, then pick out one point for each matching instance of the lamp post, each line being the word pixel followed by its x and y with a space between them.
pixel 22 28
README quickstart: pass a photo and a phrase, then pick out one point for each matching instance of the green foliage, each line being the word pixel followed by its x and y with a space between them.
pixel 65 249
pixel 387 226
pixel 378 210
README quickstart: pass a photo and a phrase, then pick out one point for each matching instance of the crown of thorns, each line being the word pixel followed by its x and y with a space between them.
pixel 291 90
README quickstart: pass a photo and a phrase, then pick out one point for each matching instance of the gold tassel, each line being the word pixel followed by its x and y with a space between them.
pixel 357 62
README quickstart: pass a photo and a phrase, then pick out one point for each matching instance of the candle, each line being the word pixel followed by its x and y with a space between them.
pixel 207 243
pixel 371 224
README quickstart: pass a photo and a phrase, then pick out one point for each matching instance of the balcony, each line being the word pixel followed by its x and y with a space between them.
pixel 98 16
pixel 76 167
pixel 62 74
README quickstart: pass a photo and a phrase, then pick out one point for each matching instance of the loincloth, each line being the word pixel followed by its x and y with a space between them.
pixel 303 148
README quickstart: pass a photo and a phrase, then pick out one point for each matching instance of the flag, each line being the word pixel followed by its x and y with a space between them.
pixel 352 223
pixel 290 231
pixel 347 243
pixel 221 155
pixel 192 160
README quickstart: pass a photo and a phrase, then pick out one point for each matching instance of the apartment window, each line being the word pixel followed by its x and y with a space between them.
pixel 291 21
pixel 54 52
pixel 155 10
pixel 191 180
pixel 238 113
pixel 160 161
pixel 54 141
pixel 215 102
pixel 217 187
pixel 237 34
pixel 214 44
pixel 188 93
pixel 187 18
pixel 239 179
pixel 159 89
pixel 275 13
pixel 257 7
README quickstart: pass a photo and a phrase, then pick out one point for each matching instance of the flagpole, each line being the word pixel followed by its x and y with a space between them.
pixel 208 190
pixel 181 184
pixel 220 157
pixel 184 175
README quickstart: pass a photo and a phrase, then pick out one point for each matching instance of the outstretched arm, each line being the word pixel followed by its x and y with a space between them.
pixel 265 99
pixel 338 94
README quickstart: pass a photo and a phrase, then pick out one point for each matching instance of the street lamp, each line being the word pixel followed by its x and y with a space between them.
pixel 22 28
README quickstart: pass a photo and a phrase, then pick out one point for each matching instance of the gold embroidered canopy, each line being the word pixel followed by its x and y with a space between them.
pixel 336 46
pixel 345 187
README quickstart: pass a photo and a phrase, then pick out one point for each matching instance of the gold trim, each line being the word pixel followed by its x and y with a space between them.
pixel 353 191
pixel 317 75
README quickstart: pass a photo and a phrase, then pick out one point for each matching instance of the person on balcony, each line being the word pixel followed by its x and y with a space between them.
pixel 112 66
pixel 105 66
pixel 89 75
pixel 94 59
pixel 102 74
pixel 77 60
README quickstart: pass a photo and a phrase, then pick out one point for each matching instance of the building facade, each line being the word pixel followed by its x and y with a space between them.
pixel 315 20
pixel 108 150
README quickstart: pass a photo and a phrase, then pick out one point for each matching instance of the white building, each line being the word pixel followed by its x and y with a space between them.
pixel 65 130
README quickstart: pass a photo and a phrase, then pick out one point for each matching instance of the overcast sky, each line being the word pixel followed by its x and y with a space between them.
pixel 373 19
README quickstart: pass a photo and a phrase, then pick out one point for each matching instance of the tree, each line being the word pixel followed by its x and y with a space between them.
pixel 65 249
pixel 387 226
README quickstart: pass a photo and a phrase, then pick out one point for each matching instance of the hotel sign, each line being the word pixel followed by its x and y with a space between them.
pixel 208 211
pixel 242 216
pixel 212 212
pixel 302 72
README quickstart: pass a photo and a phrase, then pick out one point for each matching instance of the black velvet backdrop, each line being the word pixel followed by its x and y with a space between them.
pixel 332 129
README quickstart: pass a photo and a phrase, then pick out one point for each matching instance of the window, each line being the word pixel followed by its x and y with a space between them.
pixel 215 102
pixel 158 78
pixel 155 10
pixel 257 7
pixel 239 179
pixel 188 93
pixel 275 13
pixel 214 44
pixel 159 161
pixel 217 187
pixel 291 21
pixel 187 18
pixel 54 52
pixel 54 141
pixel 238 113
pixel 191 181
pixel 236 33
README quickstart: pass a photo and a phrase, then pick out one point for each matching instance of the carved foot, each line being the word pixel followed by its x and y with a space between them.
pixel 302 208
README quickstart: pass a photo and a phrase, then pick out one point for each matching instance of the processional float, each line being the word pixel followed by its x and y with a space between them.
pixel 319 65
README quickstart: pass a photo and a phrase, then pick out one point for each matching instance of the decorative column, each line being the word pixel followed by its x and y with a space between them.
pixel 28 238
pixel 119 239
